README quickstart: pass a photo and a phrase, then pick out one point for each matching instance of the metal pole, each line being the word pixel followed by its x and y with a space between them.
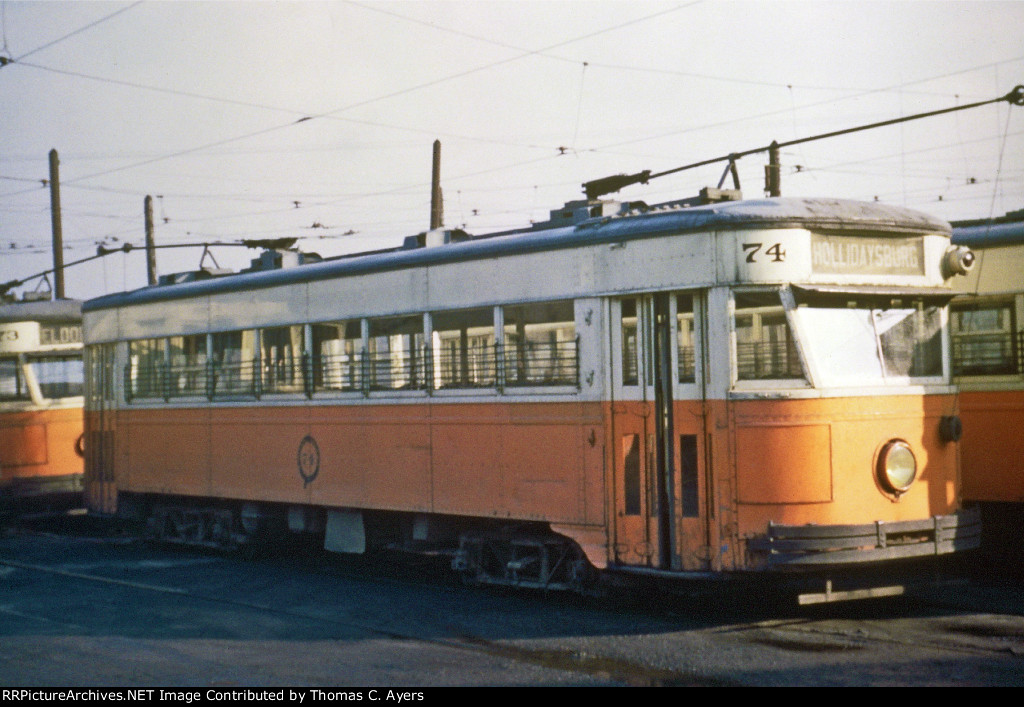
pixel 58 237
pixel 436 203
pixel 773 171
pixel 150 242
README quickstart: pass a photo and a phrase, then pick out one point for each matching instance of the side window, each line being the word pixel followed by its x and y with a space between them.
pixel 630 371
pixel 685 341
pixel 12 382
pixel 540 344
pixel 463 347
pixel 983 340
pixel 396 353
pixel 186 374
pixel 281 359
pixel 233 355
pixel 98 375
pixel 338 356
pixel 145 368
pixel 765 349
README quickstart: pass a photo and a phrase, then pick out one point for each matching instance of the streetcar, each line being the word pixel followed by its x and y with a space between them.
pixel 704 388
pixel 988 365
pixel 41 399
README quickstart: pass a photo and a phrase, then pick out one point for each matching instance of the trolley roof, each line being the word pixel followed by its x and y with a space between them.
pixel 1005 230
pixel 647 222
pixel 44 311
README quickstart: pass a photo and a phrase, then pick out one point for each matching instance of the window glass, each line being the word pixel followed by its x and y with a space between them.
pixel 983 340
pixel 685 339
pixel 338 355
pixel 281 359
pixel 629 342
pixel 99 362
pixel 463 348
pixel 233 353
pixel 867 341
pixel 631 480
pixel 911 340
pixel 765 348
pixel 146 367
pixel 395 352
pixel 59 376
pixel 186 373
pixel 540 344
pixel 12 382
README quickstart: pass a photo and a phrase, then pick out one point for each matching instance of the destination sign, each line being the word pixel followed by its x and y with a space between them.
pixel 62 334
pixel 853 255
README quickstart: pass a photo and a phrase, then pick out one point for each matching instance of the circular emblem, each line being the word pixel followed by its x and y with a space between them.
pixel 309 460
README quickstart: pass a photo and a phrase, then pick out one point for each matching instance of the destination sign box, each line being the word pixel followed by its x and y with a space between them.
pixel 25 337
pixel 19 337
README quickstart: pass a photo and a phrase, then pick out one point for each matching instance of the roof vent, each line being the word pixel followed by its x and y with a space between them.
pixel 436 237
pixel 279 259
pixel 708 195
pixel 192 276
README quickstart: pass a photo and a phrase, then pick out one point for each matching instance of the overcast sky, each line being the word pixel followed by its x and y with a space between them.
pixel 316 119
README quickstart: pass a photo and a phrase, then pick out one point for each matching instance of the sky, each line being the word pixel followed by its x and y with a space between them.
pixel 316 120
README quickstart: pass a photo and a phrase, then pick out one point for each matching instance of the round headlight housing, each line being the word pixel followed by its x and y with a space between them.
pixel 897 467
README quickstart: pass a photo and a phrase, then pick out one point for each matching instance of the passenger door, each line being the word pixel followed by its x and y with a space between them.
pixel 100 424
pixel 658 432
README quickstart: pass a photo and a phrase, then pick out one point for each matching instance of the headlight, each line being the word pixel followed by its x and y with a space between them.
pixel 897 467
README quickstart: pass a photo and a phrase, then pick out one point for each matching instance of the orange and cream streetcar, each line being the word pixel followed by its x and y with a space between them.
pixel 702 388
pixel 988 365
pixel 41 463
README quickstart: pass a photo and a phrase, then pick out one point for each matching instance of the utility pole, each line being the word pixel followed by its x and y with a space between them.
pixel 773 171
pixel 58 237
pixel 150 243
pixel 436 200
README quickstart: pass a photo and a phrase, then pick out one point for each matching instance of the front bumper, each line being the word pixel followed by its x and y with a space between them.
pixel 794 546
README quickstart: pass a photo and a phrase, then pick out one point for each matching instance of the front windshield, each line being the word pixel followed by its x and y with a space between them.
pixel 867 342
pixel 59 376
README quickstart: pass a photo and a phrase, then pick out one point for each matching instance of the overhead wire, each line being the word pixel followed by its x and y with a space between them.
pixel 71 34
pixel 71 183
pixel 769 114
pixel 280 109
pixel 392 94
pixel 605 65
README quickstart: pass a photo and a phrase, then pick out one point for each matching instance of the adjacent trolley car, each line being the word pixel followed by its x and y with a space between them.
pixel 701 388
pixel 41 456
pixel 988 363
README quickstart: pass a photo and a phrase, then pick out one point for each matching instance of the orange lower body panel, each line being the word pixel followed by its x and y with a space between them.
pixel 993 446
pixel 813 461
pixel 591 470
pixel 40 444
pixel 528 461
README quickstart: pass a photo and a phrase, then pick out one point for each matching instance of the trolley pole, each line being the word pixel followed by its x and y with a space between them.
pixel 606 185
pixel 150 242
pixel 58 237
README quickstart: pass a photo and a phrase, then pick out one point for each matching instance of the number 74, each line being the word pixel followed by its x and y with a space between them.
pixel 775 252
